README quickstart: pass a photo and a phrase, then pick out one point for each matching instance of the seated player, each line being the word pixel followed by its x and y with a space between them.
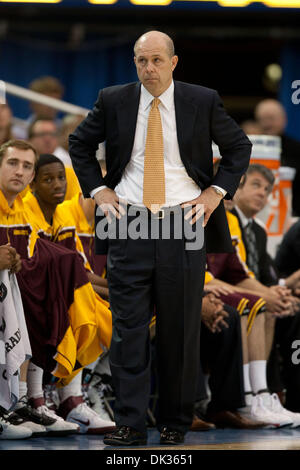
pixel 17 161
pixel 64 319
pixel 11 320
pixel 53 223
pixel 52 220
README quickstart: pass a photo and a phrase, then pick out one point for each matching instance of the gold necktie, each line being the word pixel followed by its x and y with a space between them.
pixel 154 171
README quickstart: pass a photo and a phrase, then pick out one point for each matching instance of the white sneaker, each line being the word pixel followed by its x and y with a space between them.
pixel 30 418
pixel 261 409
pixel 11 431
pixel 96 399
pixel 89 421
pixel 278 408
pixel 60 427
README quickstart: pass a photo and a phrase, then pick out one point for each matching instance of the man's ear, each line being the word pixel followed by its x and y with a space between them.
pixel 242 181
pixel 174 62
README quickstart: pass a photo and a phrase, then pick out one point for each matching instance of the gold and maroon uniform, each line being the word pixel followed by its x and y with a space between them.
pixel 69 326
pixel 86 234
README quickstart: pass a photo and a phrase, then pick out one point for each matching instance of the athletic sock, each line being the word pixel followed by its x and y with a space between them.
pixel 22 389
pixel 73 389
pixel 247 385
pixel 258 376
pixel 35 381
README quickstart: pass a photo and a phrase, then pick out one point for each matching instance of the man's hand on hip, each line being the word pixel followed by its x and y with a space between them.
pixel 110 204
pixel 205 204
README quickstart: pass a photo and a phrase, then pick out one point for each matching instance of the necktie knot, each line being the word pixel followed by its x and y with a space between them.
pixel 155 103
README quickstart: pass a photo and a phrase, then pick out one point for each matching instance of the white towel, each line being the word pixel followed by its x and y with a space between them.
pixel 14 341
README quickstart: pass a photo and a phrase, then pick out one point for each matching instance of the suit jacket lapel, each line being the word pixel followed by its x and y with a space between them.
pixel 185 112
pixel 127 116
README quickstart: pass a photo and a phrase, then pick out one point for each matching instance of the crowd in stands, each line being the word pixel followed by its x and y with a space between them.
pixel 55 376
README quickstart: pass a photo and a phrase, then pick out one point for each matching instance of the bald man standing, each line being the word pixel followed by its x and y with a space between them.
pixel 272 118
pixel 158 134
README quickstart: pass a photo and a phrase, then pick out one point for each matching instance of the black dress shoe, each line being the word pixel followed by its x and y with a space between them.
pixel 125 436
pixel 171 437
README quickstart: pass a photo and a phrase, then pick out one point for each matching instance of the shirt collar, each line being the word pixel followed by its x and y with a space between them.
pixel 17 206
pixel 166 98
pixel 31 201
pixel 245 221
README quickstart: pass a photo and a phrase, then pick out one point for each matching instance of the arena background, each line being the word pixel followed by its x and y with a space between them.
pixel 89 46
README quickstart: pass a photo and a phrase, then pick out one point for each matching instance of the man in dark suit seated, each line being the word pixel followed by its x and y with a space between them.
pixel 157 160
pixel 283 325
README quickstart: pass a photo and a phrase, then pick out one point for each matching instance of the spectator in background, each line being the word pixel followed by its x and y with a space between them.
pixel 49 86
pixel 271 116
pixel 69 124
pixel 43 135
pixel 251 127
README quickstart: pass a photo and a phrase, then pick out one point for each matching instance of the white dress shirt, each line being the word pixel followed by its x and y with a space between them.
pixel 244 220
pixel 180 187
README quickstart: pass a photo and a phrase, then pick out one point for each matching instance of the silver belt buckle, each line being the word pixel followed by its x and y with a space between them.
pixel 160 214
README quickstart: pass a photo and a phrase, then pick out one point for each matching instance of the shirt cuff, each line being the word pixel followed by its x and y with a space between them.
pixel 96 190
pixel 223 191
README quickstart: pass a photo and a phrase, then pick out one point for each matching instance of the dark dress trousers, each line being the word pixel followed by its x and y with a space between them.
pixel 161 276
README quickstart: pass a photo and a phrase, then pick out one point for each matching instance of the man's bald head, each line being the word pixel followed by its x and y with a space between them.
pixel 271 116
pixel 158 37
pixel 155 61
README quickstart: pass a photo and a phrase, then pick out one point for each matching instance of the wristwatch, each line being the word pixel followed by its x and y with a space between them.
pixel 218 191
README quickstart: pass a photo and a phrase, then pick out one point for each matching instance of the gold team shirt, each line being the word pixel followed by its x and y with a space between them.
pixel 15 227
pixel 61 231
pixel 84 230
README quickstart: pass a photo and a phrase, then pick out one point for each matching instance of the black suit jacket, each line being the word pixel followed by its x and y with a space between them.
pixel 200 119
pixel 287 258
pixel 268 274
pixel 290 156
